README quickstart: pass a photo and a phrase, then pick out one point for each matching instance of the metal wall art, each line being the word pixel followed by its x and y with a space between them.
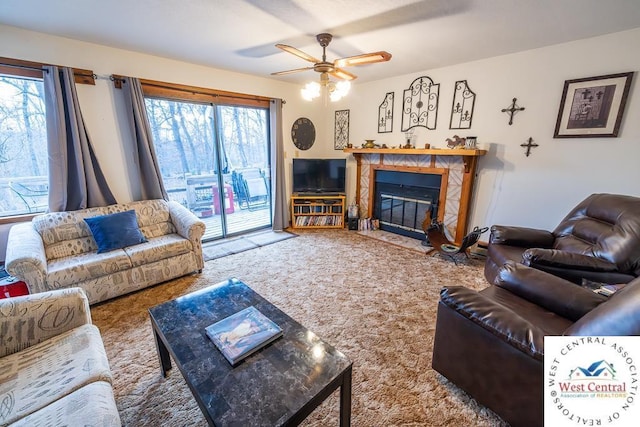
pixel 420 104
pixel 462 108
pixel 385 114
pixel 514 108
pixel 529 145
pixel 341 134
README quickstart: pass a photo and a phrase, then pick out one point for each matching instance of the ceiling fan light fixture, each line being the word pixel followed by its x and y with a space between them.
pixel 339 90
pixel 332 90
pixel 335 91
pixel 334 96
pixel 310 91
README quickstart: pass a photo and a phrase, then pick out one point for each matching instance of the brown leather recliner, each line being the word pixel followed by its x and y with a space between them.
pixel 491 343
pixel 598 240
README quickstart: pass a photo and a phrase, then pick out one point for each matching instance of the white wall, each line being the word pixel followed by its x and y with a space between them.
pixel 535 191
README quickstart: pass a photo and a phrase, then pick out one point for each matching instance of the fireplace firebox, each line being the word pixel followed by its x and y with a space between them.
pixel 454 168
pixel 405 201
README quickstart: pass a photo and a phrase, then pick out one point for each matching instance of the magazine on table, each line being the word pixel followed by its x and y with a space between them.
pixel 242 334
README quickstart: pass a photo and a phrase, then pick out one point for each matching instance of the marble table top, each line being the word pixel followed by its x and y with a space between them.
pixel 278 385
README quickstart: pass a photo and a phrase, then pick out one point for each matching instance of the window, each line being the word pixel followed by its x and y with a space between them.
pixel 23 146
pixel 24 163
pixel 213 153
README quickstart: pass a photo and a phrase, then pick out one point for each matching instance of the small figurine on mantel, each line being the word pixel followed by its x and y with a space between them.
pixel 410 139
pixel 456 142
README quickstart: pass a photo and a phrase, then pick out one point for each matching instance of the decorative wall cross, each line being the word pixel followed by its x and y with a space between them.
pixel 530 144
pixel 514 108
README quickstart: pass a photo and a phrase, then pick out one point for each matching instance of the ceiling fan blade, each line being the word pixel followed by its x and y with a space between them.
pixel 366 58
pixel 297 52
pixel 342 74
pixel 297 70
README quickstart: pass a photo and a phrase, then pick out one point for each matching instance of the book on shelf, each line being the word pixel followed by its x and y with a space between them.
pixel 242 334
pixel 318 220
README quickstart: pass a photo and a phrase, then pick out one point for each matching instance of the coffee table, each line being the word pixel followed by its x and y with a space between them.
pixel 281 384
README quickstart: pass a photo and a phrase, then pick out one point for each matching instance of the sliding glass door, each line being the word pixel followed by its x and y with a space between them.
pixel 214 160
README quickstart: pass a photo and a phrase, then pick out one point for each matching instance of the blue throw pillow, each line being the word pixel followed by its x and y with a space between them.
pixel 115 231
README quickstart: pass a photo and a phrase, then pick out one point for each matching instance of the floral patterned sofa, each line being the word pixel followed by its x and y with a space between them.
pixel 58 250
pixel 54 368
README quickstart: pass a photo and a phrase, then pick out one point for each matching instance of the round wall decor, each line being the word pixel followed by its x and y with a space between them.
pixel 303 133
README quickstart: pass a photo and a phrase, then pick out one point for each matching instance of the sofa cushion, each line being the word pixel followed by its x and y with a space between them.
pixel 66 233
pixel 543 319
pixel 115 231
pixel 75 269
pixel 43 373
pixel 550 292
pixel 158 248
pixel 501 254
pixel 154 217
pixel 91 405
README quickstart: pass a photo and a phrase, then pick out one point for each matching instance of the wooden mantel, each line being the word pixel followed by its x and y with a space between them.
pixel 468 156
pixel 457 167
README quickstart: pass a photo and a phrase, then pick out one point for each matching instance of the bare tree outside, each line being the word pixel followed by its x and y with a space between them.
pixel 201 145
pixel 23 146
pixel 213 159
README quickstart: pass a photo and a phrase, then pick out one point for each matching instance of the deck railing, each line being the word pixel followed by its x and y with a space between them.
pixel 23 195
pixel 26 195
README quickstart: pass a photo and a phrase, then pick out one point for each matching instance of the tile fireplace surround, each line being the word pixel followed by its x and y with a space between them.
pixel 457 168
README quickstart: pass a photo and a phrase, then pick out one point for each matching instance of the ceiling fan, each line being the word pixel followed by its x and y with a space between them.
pixel 334 68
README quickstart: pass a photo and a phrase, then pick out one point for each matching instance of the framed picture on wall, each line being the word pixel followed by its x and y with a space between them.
pixel 592 107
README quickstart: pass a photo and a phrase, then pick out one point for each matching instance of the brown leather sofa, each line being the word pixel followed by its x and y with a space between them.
pixel 491 343
pixel 598 240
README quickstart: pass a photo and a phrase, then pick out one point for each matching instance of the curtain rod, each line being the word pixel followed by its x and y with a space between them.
pixel 24 67
pixel 200 92
pixel 119 80
pixel 80 76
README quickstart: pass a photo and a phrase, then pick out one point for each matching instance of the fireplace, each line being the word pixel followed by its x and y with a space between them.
pixel 408 201
pixel 405 201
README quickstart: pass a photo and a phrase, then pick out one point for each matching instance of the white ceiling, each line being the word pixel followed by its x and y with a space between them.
pixel 239 35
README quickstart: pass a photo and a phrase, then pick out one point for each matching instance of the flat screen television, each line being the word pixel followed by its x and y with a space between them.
pixel 319 176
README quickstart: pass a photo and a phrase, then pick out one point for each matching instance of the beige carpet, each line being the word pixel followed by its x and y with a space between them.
pixel 374 301
pixel 395 239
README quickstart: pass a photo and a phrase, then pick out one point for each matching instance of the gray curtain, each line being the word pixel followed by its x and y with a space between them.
pixel 144 156
pixel 280 210
pixel 75 178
